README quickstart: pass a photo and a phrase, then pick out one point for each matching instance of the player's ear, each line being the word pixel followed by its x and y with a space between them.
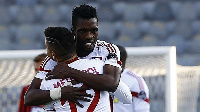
pixel 72 29
pixel 53 55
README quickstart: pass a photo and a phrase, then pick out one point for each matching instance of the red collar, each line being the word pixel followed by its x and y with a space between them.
pixel 70 61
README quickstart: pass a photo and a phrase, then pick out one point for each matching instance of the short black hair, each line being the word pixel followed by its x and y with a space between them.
pixel 83 11
pixel 61 40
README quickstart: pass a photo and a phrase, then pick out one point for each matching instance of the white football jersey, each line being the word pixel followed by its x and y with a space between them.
pixel 140 93
pixel 99 102
pixel 101 51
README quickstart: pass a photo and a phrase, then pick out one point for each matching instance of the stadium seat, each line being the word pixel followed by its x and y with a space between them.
pixel 105 1
pixel 6 2
pixel 5 41
pixel 196 27
pixel 195 44
pixel 25 14
pixel 158 30
pixel 176 7
pixel 107 31
pixel 65 12
pixel 134 12
pixel 119 8
pixel 187 12
pixel 76 2
pixel 197 8
pixel 106 12
pixel 127 38
pixel 51 15
pixel 25 2
pixel 184 28
pixel 50 2
pixel 147 40
pixel 179 41
pixel 4 15
pixel 170 26
pixel 162 11
pixel 144 26
pixel 129 30
pixel 148 9
pixel 124 42
pixel 27 37
pixel 13 12
pixel 39 11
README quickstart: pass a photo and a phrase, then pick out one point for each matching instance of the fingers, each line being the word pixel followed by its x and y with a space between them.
pixel 79 104
pixel 84 99
pixel 82 88
pixel 83 94
pixel 81 98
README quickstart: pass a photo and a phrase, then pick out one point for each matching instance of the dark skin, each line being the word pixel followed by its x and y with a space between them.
pixel 86 32
pixel 35 96
pixel 72 94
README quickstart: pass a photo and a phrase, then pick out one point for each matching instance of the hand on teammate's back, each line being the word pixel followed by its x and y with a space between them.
pixel 60 71
pixel 74 94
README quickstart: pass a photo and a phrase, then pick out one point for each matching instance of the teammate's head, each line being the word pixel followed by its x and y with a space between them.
pixel 123 56
pixel 85 28
pixel 83 12
pixel 60 43
pixel 37 61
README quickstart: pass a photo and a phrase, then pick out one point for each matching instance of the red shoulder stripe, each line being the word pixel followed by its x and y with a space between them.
pixel 44 63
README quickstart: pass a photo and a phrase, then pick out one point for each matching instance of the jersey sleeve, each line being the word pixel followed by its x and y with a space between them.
pixel 123 93
pixel 22 107
pixel 46 67
pixel 113 56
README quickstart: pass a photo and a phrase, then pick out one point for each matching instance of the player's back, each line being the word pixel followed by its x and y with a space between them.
pixel 100 100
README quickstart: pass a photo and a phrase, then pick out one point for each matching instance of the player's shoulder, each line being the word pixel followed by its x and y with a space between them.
pixel 48 64
pixel 131 74
pixel 86 62
pixel 110 47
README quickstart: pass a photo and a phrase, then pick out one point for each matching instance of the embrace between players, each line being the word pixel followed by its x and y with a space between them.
pixel 80 72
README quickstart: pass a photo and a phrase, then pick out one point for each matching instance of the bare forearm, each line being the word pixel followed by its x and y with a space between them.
pixel 37 97
pixel 105 82
pixel 101 81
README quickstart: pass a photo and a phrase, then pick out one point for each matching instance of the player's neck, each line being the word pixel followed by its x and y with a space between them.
pixel 83 53
pixel 71 59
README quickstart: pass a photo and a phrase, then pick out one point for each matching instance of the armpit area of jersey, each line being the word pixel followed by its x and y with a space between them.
pixel 112 56
pixel 113 62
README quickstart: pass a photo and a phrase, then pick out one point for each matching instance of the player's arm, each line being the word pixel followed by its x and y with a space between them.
pixel 123 93
pixel 105 82
pixel 108 81
pixel 36 96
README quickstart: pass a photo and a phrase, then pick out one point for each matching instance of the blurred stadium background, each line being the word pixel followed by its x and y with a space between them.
pixel 130 23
